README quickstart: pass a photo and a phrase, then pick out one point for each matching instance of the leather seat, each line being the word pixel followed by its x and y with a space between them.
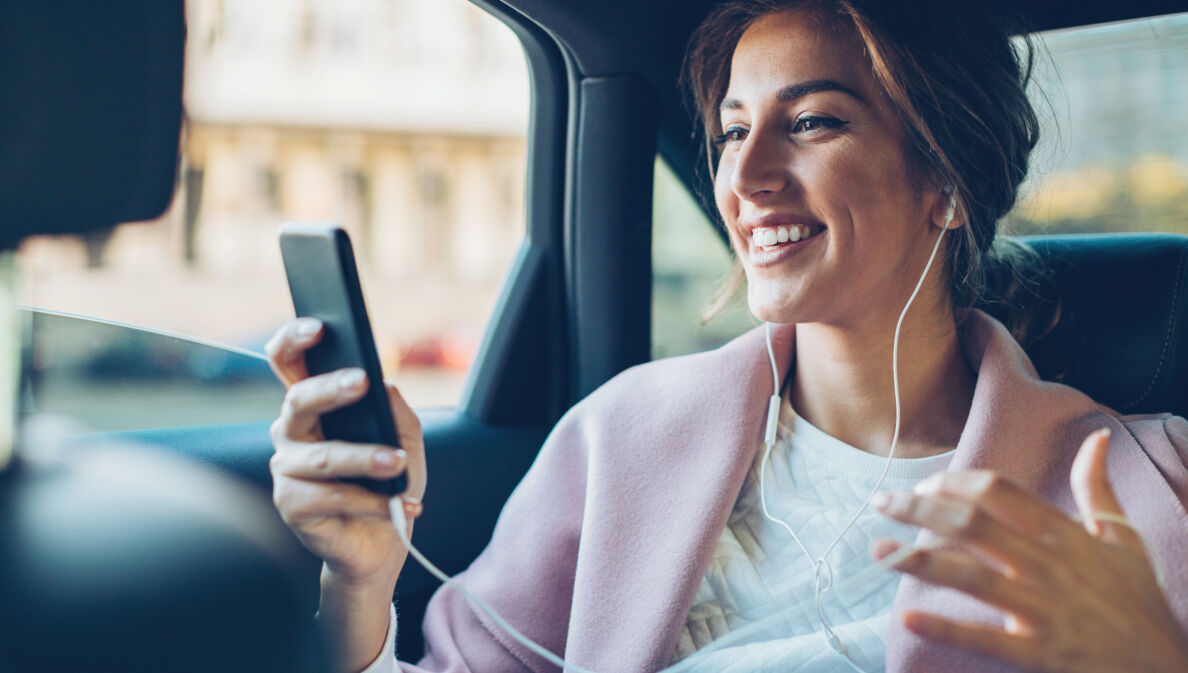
pixel 1122 333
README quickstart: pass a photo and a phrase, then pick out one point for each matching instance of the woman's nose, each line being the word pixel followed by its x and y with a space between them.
pixel 759 169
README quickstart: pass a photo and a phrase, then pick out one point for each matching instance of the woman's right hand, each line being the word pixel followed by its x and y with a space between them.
pixel 347 526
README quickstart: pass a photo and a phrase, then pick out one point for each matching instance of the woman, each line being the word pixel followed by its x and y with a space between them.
pixel 848 139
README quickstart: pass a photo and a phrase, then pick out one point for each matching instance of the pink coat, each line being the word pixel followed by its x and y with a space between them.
pixel 600 549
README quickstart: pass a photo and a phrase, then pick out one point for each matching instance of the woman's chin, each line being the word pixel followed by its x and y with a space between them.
pixel 773 307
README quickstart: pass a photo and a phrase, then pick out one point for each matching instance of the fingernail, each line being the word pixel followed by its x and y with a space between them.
pixel 351 379
pixel 930 485
pixel 307 327
pixel 387 458
pixel 881 501
pixel 1105 432
pixel 413 507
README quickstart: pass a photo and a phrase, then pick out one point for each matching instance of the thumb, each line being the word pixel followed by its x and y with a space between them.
pixel 1095 497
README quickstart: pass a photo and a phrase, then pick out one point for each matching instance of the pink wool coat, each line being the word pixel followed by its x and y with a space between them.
pixel 600 549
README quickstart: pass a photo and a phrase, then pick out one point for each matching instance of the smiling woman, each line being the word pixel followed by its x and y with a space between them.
pixel 665 524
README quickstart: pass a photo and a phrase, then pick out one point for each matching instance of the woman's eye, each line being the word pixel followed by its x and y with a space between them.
pixel 732 134
pixel 810 123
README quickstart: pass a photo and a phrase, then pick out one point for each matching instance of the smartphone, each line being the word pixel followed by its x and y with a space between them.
pixel 324 283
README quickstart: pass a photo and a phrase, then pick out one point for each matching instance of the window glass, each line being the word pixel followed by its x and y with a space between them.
pixel 690 262
pixel 1113 155
pixel 404 120
pixel 108 377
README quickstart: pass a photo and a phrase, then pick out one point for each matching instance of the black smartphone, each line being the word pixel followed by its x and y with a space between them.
pixel 324 282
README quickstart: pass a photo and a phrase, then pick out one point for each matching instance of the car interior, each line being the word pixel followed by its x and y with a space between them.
pixel 94 103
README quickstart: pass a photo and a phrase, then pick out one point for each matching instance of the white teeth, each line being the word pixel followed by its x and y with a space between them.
pixel 768 236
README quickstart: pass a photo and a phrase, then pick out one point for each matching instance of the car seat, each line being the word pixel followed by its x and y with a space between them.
pixel 1121 308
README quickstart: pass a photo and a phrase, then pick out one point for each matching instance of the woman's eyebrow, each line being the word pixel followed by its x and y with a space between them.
pixel 799 90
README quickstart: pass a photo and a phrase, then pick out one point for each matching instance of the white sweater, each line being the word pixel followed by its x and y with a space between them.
pixel 815 483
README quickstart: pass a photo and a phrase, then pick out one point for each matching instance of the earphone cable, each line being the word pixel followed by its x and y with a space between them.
pixel 769 440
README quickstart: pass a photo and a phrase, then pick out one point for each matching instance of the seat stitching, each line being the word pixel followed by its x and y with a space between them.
pixel 1171 320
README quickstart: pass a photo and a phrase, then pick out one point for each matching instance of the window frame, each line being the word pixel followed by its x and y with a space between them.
pixel 520 371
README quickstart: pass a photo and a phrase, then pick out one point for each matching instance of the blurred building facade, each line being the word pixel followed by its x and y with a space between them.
pixel 404 120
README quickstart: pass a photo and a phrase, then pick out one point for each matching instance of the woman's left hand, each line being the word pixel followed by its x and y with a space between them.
pixel 1075 597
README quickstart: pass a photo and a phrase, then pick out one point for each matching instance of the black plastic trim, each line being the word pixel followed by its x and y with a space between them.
pixel 609 238
pixel 520 375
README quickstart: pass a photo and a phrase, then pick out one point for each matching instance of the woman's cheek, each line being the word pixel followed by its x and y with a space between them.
pixel 723 194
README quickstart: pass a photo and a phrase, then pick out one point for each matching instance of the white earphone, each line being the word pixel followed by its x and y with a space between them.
pixel 952 209
pixel 822 570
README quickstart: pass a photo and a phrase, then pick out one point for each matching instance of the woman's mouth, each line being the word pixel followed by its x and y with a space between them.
pixel 772 238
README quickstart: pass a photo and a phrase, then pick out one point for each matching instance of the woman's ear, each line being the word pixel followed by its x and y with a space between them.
pixel 947 212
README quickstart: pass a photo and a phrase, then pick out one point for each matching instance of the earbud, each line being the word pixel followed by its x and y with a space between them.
pixel 952 209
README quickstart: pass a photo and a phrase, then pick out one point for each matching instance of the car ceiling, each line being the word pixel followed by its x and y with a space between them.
pixel 610 37
pixel 613 36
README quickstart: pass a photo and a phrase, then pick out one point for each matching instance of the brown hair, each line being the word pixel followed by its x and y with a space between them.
pixel 959 86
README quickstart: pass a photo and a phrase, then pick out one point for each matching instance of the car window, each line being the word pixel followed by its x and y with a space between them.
pixel 357 111
pixel 1113 154
pixel 690 262
pixel 108 377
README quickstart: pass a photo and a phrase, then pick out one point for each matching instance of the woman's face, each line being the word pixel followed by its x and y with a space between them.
pixel 813 179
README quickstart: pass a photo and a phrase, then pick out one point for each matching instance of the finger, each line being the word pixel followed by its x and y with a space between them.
pixel 889 552
pixel 337 460
pixel 974 637
pixel 408 428
pixel 1005 500
pixel 965 574
pixel 307 400
pixel 960 519
pixel 1091 489
pixel 881 548
pixel 286 349
pixel 413 507
pixel 301 501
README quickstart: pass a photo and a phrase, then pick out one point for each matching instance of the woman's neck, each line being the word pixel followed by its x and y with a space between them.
pixel 842 383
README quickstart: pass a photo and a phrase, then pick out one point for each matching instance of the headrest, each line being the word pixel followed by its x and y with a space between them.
pixel 127 559
pixel 90 114
pixel 1122 334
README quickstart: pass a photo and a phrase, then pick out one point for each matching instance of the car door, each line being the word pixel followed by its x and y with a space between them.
pixel 518 386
